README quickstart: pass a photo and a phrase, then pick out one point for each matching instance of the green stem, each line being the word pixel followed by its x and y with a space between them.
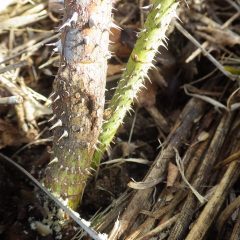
pixel 150 38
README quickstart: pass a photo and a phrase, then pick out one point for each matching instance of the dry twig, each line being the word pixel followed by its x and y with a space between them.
pixel 182 224
pixel 192 111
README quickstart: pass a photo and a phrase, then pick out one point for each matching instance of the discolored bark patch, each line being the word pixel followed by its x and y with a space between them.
pixel 78 98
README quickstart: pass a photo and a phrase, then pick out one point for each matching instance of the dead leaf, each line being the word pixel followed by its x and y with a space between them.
pixel 144 185
pixel 222 37
pixel 9 135
pixel 56 6
pixel 123 150
pixel 147 96
pixel 203 136
pixel 114 69
pixel 121 45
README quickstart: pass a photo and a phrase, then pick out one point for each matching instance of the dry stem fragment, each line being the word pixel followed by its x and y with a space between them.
pixel 182 224
pixel 210 211
pixel 192 111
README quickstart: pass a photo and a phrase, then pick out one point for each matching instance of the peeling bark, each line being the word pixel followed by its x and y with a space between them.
pixel 78 98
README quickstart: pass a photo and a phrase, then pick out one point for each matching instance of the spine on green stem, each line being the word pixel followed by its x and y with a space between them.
pixel 141 60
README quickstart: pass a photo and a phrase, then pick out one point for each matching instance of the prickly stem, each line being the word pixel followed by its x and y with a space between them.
pixel 78 99
pixel 142 56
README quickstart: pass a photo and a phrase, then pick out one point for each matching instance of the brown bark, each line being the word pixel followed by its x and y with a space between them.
pixel 78 98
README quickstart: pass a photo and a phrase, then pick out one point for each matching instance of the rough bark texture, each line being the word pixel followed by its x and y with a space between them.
pixel 78 99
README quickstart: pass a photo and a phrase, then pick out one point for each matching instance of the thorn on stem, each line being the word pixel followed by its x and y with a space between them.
pixel 57 124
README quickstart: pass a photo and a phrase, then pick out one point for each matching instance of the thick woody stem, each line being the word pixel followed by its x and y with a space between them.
pixel 78 98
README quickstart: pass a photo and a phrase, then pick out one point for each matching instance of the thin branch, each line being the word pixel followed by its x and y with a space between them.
pixel 208 55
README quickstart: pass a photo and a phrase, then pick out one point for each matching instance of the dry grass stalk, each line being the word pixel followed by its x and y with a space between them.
pixel 192 111
pixel 15 17
pixel 191 160
pixel 29 49
pixel 159 119
pixel 160 228
pixel 201 199
pixel 233 157
pixel 11 100
pixel 236 229
pixel 209 56
pixel 149 223
pixel 31 15
pixel 182 224
pixel 213 206
pixel 227 212
pixel 29 109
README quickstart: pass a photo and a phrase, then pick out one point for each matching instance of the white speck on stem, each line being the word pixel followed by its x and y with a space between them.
pixel 57 124
pixel 73 19
pixel 64 135
pixel 52 118
pixel 55 160
pixel 57 97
